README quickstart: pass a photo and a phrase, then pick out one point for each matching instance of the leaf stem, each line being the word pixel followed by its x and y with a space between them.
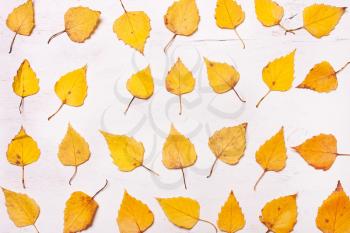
pixel 21 105
pixel 259 179
pixel 121 2
pixel 341 154
pixel 150 170
pixel 12 42
pixel 239 97
pixel 183 177
pixel 56 111
pixel 341 69
pixel 127 107
pixel 55 35
pixel 100 190
pixel 36 228
pixel 212 167
pixel 258 104
pixel 23 182
pixel 74 174
pixel 180 105
pixel 206 221
pixel 240 38
pixel 285 29
pixel 293 30
pixel 167 46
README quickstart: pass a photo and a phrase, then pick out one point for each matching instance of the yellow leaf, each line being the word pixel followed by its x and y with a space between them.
pixel 25 83
pixel 73 150
pixel 229 15
pixel 231 218
pixel 22 210
pixel 280 215
pixel 80 22
pixel 334 214
pixel 268 12
pixel 319 151
pixel 178 152
pixel 278 75
pixel 272 155
pixel 140 85
pixel 228 144
pixel 71 88
pixel 222 77
pixel 182 18
pixel 133 28
pixel 126 152
pixel 21 20
pixel 80 211
pixel 22 151
pixel 179 81
pixel 133 215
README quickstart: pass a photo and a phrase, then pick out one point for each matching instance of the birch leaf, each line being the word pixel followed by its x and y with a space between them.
pixel 228 144
pixel 334 213
pixel 179 81
pixel 133 215
pixel 22 151
pixel 178 152
pixel 73 150
pixel 22 210
pixel 268 12
pixel 21 20
pixel 25 83
pixel 278 75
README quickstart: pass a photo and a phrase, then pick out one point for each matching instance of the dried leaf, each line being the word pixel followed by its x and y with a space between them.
pixel 334 214
pixel 272 155
pixel 22 210
pixel 222 77
pixel 231 218
pixel 21 20
pixel 229 15
pixel 133 28
pixel 133 215
pixel 268 12
pixel 71 88
pixel 25 83
pixel 228 144
pixel 80 22
pixel 178 152
pixel 73 150
pixel 22 151
pixel 280 215
pixel 179 81
pixel 182 18
pixel 278 75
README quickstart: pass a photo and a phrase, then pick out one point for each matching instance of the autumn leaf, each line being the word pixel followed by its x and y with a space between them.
pixel 222 77
pixel 229 15
pixel 322 78
pixel 319 151
pixel 22 210
pixel 140 85
pixel 25 83
pixel 22 151
pixel 21 21
pixel 280 215
pixel 80 211
pixel 278 75
pixel 228 145
pixel 320 19
pixel 231 218
pixel 269 13
pixel 182 18
pixel 79 22
pixel 126 152
pixel 182 212
pixel 133 215
pixel 178 152
pixel 73 150
pixel 71 88
pixel 334 213
pixel 179 81
pixel 272 155
pixel 133 28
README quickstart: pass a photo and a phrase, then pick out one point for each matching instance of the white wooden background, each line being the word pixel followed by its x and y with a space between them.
pixel 110 63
